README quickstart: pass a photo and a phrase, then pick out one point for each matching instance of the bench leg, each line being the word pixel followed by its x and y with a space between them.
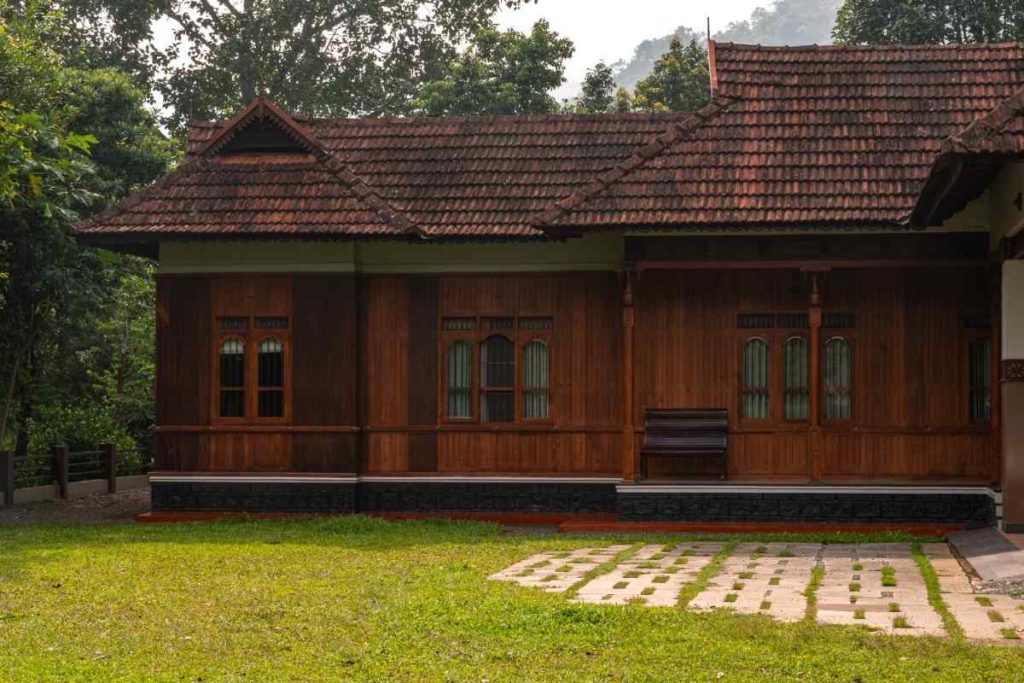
pixel 725 469
pixel 643 466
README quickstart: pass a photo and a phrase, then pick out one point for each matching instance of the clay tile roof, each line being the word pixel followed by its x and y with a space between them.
pixel 813 135
pixel 477 176
pixel 1001 131
pixel 796 136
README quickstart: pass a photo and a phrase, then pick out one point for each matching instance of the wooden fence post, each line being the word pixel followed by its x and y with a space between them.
pixel 60 462
pixel 111 452
pixel 7 477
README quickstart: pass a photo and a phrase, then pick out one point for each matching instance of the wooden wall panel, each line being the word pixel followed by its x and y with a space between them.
pixel 324 363
pixel 422 351
pixel 325 453
pixel 910 379
pixel 386 352
pixel 183 351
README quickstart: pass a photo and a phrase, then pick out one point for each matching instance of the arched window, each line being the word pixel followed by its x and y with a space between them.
pixel 755 379
pixel 497 379
pixel 232 378
pixel 794 375
pixel 978 375
pixel 270 378
pixel 535 380
pixel 837 379
pixel 459 364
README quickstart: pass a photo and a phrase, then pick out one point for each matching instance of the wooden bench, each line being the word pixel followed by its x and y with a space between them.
pixel 685 434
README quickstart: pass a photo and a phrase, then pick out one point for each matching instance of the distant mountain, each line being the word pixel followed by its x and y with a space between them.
pixel 788 22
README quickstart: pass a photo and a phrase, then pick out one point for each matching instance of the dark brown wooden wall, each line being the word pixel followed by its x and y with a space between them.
pixel 378 338
pixel 321 435
pixel 910 415
pixel 402 358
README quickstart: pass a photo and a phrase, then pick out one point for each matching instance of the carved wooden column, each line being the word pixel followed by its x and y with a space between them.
pixel 629 463
pixel 814 381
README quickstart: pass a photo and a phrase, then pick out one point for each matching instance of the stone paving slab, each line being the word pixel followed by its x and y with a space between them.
pixel 874 585
pixel 557 571
pixel 763 578
pixel 878 586
pixel 653 576
pixel 993 556
pixel 983 616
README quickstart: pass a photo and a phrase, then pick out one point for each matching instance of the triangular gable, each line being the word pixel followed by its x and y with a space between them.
pixel 265 128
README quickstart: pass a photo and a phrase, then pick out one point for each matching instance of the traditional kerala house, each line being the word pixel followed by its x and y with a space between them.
pixel 816 275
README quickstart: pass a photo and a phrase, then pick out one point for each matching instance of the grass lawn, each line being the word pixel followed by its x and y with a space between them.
pixel 361 599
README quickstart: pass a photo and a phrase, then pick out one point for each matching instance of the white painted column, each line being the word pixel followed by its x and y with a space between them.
pixel 1011 375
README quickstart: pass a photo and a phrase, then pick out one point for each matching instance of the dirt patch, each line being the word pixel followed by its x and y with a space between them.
pixel 96 509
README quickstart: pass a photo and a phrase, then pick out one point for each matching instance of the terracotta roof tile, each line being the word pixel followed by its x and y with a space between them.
pixel 815 136
pixel 822 135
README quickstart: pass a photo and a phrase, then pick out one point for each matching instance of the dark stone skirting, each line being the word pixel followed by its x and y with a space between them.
pixel 486 497
pixel 967 508
pixel 182 496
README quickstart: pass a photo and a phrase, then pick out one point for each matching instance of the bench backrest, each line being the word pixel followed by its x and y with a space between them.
pixel 686 431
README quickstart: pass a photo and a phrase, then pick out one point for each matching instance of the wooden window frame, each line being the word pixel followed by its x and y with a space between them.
pixel 785 337
pixel 970 337
pixel 776 337
pixel 847 335
pixel 251 337
pixel 748 335
pixel 475 337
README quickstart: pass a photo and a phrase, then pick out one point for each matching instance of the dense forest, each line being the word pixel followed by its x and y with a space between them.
pixel 93 104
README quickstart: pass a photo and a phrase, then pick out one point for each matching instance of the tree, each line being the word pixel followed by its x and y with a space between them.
pixel 879 22
pixel 679 81
pixel 623 101
pixel 321 57
pixel 597 95
pixel 69 138
pixel 501 73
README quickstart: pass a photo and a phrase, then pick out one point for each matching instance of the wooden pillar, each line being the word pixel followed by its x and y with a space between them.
pixel 110 456
pixel 814 381
pixel 629 460
pixel 7 477
pixel 60 466
pixel 1011 400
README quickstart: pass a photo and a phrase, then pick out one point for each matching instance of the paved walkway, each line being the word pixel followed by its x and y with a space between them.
pixel 878 586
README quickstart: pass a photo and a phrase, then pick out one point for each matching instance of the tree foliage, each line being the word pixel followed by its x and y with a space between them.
pixel 597 94
pixel 929 21
pixel 678 82
pixel 501 72
pixel 70 138
pixel 321 57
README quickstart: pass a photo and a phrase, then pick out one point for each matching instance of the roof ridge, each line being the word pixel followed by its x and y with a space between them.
pixel 652 149
pixel 985 126
pixel 836 47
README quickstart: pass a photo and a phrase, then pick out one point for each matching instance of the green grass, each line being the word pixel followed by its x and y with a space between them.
pixel 811 593
pixel 900 622
pixel 356 599
pixel 931 583
pixel 983 601
pixel 888 576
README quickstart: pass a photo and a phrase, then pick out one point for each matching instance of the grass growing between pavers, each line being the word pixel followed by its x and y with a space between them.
pixel 367 600
pixel 931 584
pixel 704 576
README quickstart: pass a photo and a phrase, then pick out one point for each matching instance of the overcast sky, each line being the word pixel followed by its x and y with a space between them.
pixel 610 29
